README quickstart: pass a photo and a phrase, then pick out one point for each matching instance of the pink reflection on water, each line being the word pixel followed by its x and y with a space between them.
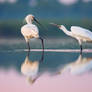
pixel 12 81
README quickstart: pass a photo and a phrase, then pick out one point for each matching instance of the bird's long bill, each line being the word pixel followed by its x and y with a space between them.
pixel 37 21
pixel 39 24
pixel 55 25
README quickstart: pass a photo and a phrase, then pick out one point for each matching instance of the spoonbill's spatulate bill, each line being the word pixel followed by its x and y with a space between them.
pixel 30 30
pixel 79 33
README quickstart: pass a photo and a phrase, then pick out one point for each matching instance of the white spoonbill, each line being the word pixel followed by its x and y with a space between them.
pixel 30 68
pixel 79 33
pixel 30 30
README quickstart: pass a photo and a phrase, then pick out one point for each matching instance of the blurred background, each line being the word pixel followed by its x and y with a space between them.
pixel 66 12
pixel 13 45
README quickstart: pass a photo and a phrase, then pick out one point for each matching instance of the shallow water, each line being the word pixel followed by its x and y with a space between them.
pixel 50 43
pixel 59 68
pixel 48 72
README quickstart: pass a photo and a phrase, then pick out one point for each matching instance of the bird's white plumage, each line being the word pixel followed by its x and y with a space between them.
pixel 79 66
pixel 30 30
pixel 30 68
pixel 81 32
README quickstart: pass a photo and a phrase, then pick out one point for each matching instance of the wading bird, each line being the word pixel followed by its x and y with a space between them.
pixel 30 30
pixel 79 66
pixel 79 33
pixel 30 68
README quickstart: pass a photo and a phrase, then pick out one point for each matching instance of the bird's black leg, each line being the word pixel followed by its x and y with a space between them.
pixel 28 53
pixel 42 57
pixel 80 49
pixel 42 42
pixel 28 46
pixel 42 48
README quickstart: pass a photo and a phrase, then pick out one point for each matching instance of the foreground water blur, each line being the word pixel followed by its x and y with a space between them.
pixel 60 68
pixel 48 72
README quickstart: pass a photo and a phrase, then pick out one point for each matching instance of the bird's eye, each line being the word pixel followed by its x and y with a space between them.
pixel 32 18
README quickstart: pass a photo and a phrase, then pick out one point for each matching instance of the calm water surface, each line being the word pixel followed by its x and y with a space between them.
pixel 51 72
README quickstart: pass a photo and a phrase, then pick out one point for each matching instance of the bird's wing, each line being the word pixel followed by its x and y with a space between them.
pixel 33 28
pixel 81 31
pixel 29 29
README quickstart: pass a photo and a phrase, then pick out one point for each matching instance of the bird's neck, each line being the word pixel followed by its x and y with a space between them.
pixel 26 60
pixel 29 22
pixel 79 59
pixel 66 31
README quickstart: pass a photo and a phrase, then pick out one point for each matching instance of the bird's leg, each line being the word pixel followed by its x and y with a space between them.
pixel 27 41
pixel 42 57
pixel 80 49
pixel 42 42
pixel 28 53
pixel 80 43
pixel 43 49
pixel 28 46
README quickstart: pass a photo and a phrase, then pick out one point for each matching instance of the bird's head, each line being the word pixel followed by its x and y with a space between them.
pixel 30 80
pixel 30 18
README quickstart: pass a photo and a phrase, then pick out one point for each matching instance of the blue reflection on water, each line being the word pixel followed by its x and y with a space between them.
pixel 52 62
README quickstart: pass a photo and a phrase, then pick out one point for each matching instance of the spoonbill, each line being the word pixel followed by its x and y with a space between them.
pixel 79 33
pixel 30 68
pixel 30 30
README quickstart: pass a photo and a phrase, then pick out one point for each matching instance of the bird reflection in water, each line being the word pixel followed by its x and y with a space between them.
pixel 79 66
pixel 31 68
